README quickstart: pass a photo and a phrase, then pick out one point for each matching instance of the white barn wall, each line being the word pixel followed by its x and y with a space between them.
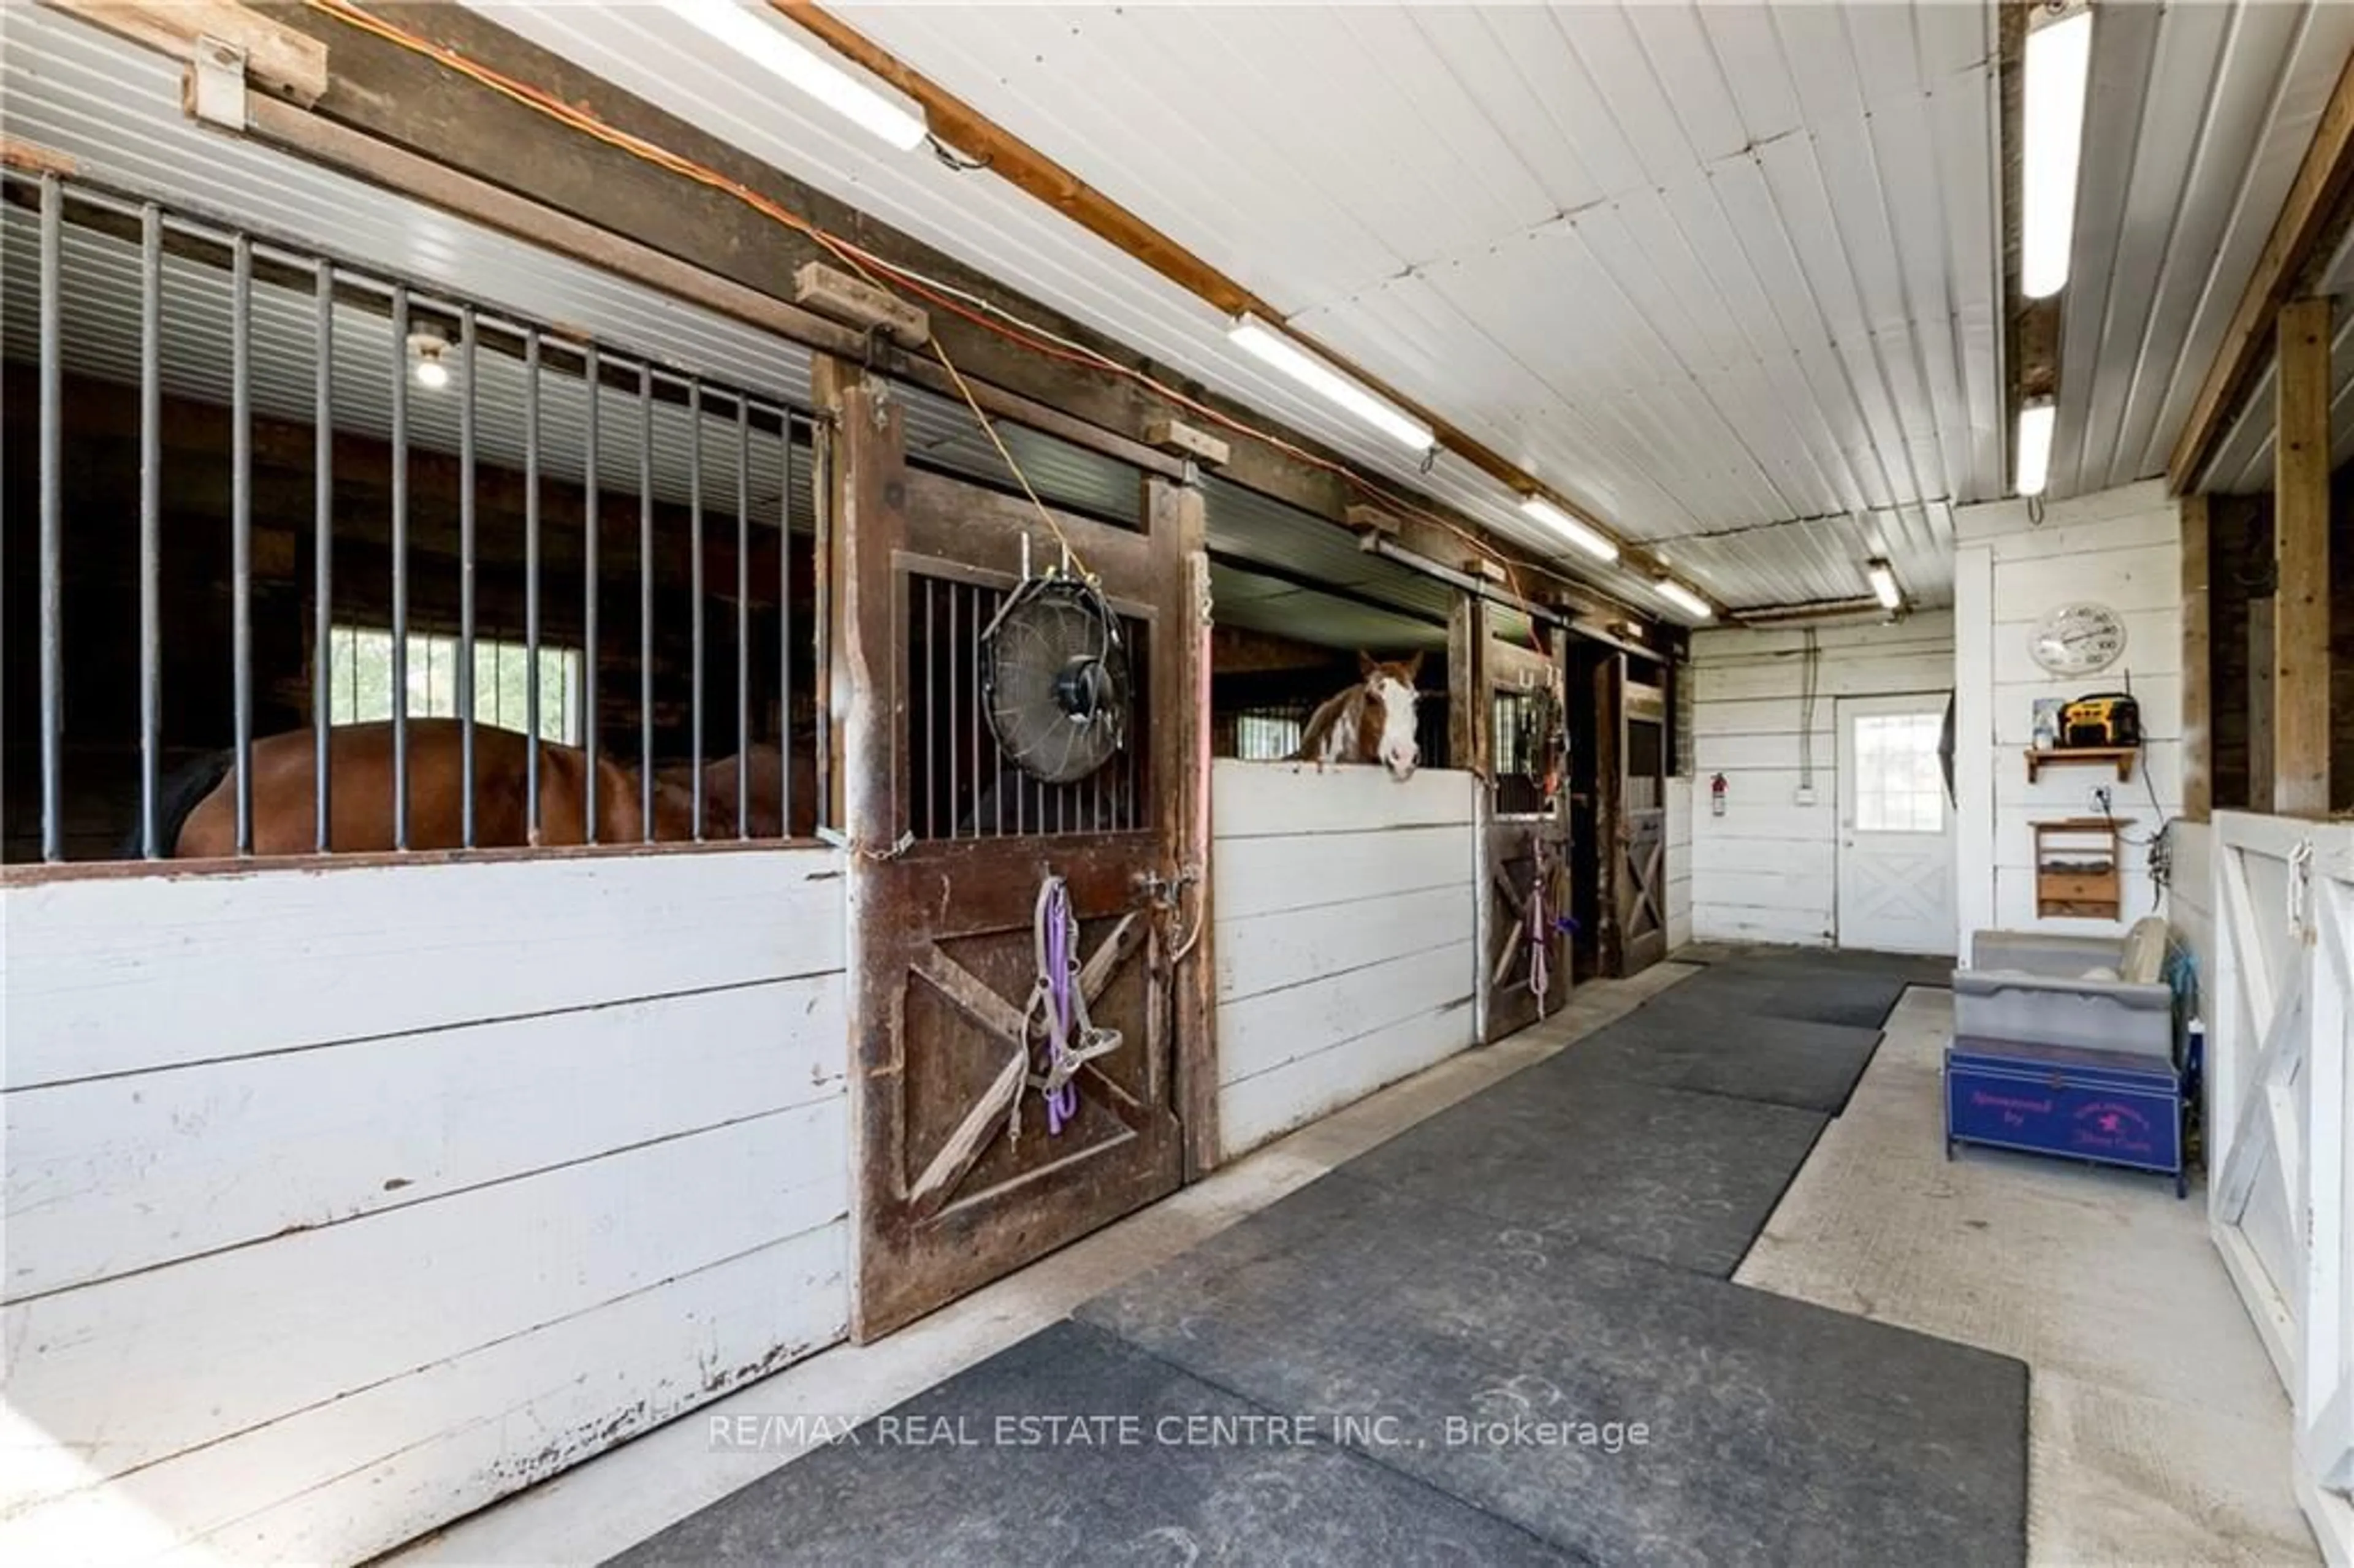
pixel 2120 547
pixel 342 1202
pixel 1766 870
pixel 1681 795
pixel 1344 936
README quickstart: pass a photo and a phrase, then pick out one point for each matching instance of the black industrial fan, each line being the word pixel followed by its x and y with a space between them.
pixel 1055 679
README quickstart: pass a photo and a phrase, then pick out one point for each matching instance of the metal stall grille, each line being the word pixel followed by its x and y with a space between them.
pixel 337 542
pixel 1523 738
pixel 961 785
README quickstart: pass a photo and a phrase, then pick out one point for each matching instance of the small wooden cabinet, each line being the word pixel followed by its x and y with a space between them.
pixel 2079 868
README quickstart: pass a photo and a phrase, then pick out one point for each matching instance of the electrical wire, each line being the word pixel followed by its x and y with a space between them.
pixel 981 314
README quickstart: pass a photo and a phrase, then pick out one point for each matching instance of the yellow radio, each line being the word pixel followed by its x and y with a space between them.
pixel 2103 719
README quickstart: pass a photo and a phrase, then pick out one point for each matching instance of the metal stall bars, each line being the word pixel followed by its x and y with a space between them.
pixel 323 352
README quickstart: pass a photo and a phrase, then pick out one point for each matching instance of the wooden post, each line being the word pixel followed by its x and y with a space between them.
pixel 862 427
pixel 2198 668
pixel 1467 684
pixel 2260 703
pixel 2300 661
pixel 1176 519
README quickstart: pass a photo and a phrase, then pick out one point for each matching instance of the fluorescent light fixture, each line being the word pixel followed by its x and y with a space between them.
pixel 1250 333
pixel 1884 584
pixel 2034 448
pixel 1682 598
pixel 1598 545
pixel 2059 58
pixel 773 50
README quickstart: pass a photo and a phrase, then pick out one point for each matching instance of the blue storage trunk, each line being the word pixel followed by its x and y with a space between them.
pixel 2097 1106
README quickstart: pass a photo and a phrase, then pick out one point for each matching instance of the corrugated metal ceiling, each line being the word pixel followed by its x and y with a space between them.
pixel 2199 117
pixel 1730 274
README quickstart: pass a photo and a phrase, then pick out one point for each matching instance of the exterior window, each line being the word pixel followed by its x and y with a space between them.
pixel 1899 788
pixel 1265 737
pixel 360 683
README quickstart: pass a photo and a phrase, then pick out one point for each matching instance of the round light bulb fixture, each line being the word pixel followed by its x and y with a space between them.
pixel 428 354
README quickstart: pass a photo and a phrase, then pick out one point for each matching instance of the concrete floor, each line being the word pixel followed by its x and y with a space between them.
pixel 2158 1433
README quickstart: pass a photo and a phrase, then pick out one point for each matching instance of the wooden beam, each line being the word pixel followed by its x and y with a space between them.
pixel 2310 212
pixel 2198 667
pixel 276 55
pixel 2301 549
pixel 2260 703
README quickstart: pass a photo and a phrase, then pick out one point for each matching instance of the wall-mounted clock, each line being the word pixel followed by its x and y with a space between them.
pixel 2078 638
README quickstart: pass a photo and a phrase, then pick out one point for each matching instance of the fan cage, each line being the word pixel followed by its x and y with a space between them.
pixel 960 784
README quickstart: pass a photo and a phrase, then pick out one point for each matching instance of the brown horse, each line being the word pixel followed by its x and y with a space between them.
pixel 197 814
pixel 1373 721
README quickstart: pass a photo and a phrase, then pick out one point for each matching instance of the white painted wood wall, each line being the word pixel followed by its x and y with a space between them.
pixel 1680 796
pixel 2120 547
pixel 340 1202
pixel 1767 871
pixel 2281 1105
pixel 1345 911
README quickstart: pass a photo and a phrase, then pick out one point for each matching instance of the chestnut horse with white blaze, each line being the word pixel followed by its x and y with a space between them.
pixel 1373 721
pixel 196 810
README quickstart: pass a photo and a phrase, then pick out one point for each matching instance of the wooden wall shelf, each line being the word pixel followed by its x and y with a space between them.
pixel 2079 868
pixel 2120 756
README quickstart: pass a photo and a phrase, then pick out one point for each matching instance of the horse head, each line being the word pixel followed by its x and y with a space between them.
pixel 1390 699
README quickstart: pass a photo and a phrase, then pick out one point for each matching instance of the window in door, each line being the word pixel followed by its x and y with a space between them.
pixel 1898 787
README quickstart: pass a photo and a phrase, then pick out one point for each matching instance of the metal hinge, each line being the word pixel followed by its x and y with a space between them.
pixel 217 84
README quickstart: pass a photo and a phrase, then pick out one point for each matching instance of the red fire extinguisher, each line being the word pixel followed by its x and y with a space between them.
pixel 1716 796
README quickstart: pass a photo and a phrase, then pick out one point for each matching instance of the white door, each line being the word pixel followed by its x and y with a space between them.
pixel 1896 827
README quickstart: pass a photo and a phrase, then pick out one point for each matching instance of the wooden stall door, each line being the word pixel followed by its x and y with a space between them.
pixel 1497 688
pixel 960 1180
pixel 1643 880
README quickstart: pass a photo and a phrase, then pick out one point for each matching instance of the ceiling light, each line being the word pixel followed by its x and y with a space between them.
pixel 2034 447
pixel 1599 546
pixel 781 54
pixel 1248 331
pixel 1883 585
pixel 428 350
pixel 2059 58
pixel 1682 598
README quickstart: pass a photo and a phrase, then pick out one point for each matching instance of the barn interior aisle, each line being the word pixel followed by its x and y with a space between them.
pixel 823 779
pixel 1510 1331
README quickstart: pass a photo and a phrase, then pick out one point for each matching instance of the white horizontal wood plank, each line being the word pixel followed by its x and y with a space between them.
pixel 1896 671
pixel 1256 876
pixel 1768 855
pixel 1811 890
pixel 2142 579
pixel 1262 953
pixel 1278 799
pixel 347 1479
pixel 1273 1103
pixel 130 1371
pixel 1744 923
pixel 1259 1033
pixel 118 974
pixel 1772 817
pixel 111 1175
